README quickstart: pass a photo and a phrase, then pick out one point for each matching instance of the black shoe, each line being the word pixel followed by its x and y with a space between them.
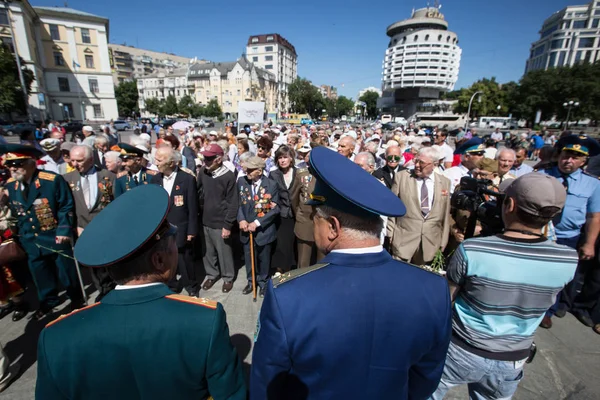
pixel 247 289
pixel 21 311
pixel 262 292
pixel 41 313
pixel 560 313
pixel 5 310
pixel 584 319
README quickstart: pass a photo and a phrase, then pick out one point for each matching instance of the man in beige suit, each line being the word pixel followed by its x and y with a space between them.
pixel 424 229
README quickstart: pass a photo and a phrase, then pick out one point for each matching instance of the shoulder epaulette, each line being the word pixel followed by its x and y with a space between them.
pixel 288 276
pixel 121 174
pixel 302 171
pixel 193 300
pixel 10 180
pixel 151 172
pixel 189 171
pixel 49 176
pixel 64 316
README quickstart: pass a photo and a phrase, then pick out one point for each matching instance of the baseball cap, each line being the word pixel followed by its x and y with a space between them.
pixel 87 128
pixel 533 192
pixel 305 148
pixel 212 150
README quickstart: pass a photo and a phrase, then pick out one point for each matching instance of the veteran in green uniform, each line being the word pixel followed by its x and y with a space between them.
pixel 135 173
pixel 141 341
pixel 43 205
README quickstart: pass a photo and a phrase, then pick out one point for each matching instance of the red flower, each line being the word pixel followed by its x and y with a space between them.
pixel 255 197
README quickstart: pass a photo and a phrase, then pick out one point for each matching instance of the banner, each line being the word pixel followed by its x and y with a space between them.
pixel 251 112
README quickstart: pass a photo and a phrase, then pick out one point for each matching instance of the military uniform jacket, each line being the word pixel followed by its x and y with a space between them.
pixel 126 182
pixel 47 212
pixel 300 192
pixel 183 206
pixel 142 343
pixel 363 326
pixel 106 184
pixel 262 206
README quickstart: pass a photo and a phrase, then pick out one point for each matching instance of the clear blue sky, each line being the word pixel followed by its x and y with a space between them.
pixel 338 42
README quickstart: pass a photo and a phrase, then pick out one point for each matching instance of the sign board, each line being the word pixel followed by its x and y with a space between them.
pixel 251 112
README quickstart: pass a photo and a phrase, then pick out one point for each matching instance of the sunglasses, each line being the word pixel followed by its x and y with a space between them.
pixel 262 148
pixel 14 163
pixel 481 154
pixel 393 158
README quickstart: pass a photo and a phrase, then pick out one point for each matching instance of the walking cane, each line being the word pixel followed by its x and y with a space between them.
pixel 253 276
pixel 79 276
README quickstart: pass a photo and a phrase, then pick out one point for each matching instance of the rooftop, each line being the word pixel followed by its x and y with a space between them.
pixel 68 10
pixel 424 18
pixel 277 38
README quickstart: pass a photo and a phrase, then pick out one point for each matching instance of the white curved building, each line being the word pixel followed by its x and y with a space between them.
pixel 422 60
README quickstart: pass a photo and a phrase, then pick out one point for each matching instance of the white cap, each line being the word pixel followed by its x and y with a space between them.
pixel 350 133
pixel 196 134
pixel 213 133
pixel 87 128
pixel 145 137
pixel 375 136
pixel 305 148
pixel 241 136
pixel 203 131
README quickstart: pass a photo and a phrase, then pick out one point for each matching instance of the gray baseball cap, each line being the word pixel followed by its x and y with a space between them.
pixel 535 191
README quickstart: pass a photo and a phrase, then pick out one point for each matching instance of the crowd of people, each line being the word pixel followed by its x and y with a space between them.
pixel 280 198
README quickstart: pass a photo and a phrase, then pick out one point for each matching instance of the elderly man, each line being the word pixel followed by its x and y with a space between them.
pixel 220 205
pixel 393 155
pixel 346 147
pixel 440 138
pixel 146 342
pixel 53 160
pixel 92 190
pixel 337 339
pixel 506 159
pixel 89 136
pixel 182 190
pixel 366 161
pixel 100 147
pixel 113 161
pixel 424 229
pixel 519 167
pixel 135 173
pixel 471 152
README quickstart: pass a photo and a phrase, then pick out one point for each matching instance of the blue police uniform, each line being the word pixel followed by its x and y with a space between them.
pixel 358 324
pixel 140 341
pixel 126 180
pixel 44 210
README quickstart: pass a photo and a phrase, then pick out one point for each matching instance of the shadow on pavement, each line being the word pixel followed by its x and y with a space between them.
pixel 243 344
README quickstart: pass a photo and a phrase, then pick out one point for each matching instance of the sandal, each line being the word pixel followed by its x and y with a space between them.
pixel 596 328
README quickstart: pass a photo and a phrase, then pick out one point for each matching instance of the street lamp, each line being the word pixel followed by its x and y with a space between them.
pixel 570 104
pixel 469 111
pixel 499 108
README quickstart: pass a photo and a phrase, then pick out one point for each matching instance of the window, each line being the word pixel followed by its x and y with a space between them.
pixel 269 38
pixel 54 33
pixel 585 43
pixel 63 85
pixel 58 59
pixel 85 35
pixel 579 24
pixel 416 37
pixel 552 61
pixel 3 17
pixel 268 66
pixel 8 42
pixel 539 50
pixel 254 59
pixel 93 85
pixel 595 23
pixel 269 48
pixel 268 58
pixel 426 37
pixel 557 44
pixel 89 61
pixel 254 40
pixel 239 92
pixel 255 49
pixel 578 56
pixel 97 111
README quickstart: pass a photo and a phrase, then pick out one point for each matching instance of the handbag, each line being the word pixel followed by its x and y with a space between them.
pixel 10 252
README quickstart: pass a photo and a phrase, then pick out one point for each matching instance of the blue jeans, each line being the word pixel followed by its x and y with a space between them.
pixel 487 379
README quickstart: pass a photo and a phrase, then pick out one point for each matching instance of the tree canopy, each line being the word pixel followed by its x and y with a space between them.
pixel 11 94
pixel 306 98
pixel 370 98
pixel 127 97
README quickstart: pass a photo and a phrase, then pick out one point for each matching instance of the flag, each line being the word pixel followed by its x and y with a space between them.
pixel 75 65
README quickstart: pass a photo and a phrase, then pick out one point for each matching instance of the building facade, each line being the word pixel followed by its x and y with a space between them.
pixel 163 84
pixel 68 52
pixel 129 63
pixel 421 61
pixel 274 54
pixel 568 37
pixel 328 92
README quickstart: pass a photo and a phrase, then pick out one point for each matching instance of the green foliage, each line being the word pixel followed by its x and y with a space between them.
pixel 153 105
pixel 127 97
pixel 344 106
pixel 185 105
pixel 213 109
pixel 492 97
pixel 196 111
pixel 306 98
pixel 11 94
pixel 370 98
pixel 169 107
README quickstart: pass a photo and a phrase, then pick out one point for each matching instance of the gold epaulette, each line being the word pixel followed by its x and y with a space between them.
pixel 302 170
pixel 288 276
pixel 121 174
pixel 10 180
pixel 193 300
pixel 71 313
pixel 49 176
pixel 151 172
pixel 189 171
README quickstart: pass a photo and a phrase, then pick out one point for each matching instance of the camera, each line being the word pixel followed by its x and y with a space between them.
pixel 484 205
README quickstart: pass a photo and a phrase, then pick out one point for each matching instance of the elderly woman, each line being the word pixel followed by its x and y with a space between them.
pixel 242 147
pixel 285 174
pixel 113 161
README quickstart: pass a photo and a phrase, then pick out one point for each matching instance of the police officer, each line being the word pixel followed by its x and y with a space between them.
pixel 578 227
pixel 358 324
pixel 471 153
pixel 141 341
pixel 43 205
pixel 135 173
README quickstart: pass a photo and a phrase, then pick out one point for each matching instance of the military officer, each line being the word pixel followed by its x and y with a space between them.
pixel 135 173
pixel 43 205
pixel 141 341
pixel 471 153
pixel 358 325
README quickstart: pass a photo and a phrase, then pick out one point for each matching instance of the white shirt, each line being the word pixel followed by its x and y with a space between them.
pixel 448 152
pixel 521 170
pixel 169 181
pixel 361 250
pixel 490 152
pixel 430 187
pixel 497 136
pixel 455 174
pixel 127 287
pixel 92 178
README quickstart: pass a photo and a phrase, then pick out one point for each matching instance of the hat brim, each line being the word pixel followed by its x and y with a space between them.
pixel 580 151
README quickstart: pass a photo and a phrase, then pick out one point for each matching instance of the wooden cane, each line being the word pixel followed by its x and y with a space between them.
pixel 253 275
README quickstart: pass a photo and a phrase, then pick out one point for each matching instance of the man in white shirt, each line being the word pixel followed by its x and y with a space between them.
pixel 440 139
pixel 497 135
pixel 472 151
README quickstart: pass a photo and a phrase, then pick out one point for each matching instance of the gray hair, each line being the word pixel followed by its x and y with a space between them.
pixel 87 150
pixel 113 156
pixel 430 153
pixel 372 147
pixel 101 139
pixel 176 157
pixel 357 228
pixel 246 156
pixel 369 156
pixel 506 150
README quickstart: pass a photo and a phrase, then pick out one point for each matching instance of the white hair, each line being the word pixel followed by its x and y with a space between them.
pixel 113 156
pixel 354 227
pixel 506 150
pixel 430 153
pixel 87 150
pixel 369 156
pixel 372 147
pixel 101 139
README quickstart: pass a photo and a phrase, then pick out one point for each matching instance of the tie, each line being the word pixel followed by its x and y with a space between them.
pixel 424 199
pixel 565 182
pixel 254 189
pixel 135 179
pixel 25 190
pixel 87 192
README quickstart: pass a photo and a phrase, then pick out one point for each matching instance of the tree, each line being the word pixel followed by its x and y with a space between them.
pixel 344 106
pixel 213 109
pixel 127 97
pixel 153 105
pixel 370 97
pixel 306 98
pixel 197 111
pixel 186 103
pixel 491 97
pixel 11 93
pixel 169 107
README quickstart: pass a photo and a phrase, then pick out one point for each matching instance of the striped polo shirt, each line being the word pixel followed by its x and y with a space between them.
pixel 506 287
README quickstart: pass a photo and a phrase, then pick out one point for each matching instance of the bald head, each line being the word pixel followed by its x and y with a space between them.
pixel 346 146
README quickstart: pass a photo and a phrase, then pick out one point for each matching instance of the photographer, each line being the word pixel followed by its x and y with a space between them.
pixel 499 299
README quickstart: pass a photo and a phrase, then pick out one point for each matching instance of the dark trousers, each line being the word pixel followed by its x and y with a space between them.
pixel 283 257
pixel 262 257
pixel 185 268
pixel 218 259
pixel 102 281
pixel 47 270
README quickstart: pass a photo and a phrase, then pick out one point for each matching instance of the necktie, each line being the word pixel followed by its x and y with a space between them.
pixel 86 192
pixel 424 198
pixel 25 190
pixel 135 179
pixel 565 181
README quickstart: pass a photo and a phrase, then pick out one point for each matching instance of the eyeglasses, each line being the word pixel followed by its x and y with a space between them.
pixel 422 163
pixel 478 154
pixel 262 148
pixel 14 163
pixel 393 158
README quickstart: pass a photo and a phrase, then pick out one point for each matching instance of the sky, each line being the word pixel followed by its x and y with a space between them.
pixel 339 43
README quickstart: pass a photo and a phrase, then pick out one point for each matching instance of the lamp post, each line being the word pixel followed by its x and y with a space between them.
pixel 469 111
pixel 569 105
pixel 499 108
